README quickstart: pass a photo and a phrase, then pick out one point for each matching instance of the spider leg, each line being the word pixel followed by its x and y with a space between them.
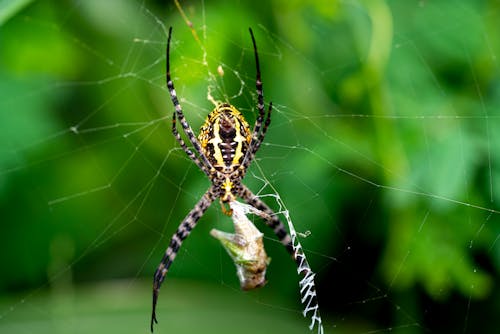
pixel 264 129
pixel 175 243
pixel 259 131
pixel 257 140
pixel 258 85
pixel 180 115
pixel 186 149
pixel 272 221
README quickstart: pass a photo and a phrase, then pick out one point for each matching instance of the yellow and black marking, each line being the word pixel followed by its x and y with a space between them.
pixel 225 137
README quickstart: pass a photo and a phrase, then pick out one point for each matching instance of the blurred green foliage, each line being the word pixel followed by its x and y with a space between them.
pixel 384 144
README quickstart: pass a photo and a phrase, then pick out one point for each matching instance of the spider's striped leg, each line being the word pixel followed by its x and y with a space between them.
pixel 178 109
pixel 257 140
pixel 264 130
pixel 272 219
pixel 260 94
pixel 186 149
pixel 257 134
pixel 182 233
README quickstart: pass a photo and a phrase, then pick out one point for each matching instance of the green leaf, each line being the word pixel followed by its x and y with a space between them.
pixel 9 8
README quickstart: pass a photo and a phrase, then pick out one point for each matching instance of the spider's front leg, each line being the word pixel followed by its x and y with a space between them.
pixel 203 164
pixel 261 125
pixel 175 243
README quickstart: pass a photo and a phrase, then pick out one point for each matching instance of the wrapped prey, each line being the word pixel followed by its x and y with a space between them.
pixel 245 247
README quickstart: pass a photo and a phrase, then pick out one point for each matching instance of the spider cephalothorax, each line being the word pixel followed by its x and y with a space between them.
pixel 223 150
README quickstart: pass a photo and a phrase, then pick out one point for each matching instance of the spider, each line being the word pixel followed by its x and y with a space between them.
pixel 223 150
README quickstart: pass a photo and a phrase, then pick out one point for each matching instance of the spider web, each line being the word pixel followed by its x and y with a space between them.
pixel 382 150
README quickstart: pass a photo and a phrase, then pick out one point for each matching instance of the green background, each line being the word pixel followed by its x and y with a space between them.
pixel 384 145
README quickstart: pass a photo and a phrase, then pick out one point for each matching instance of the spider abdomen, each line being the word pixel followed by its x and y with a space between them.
pixel 225 137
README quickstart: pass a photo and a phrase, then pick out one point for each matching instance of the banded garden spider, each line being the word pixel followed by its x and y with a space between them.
pixel 223 150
